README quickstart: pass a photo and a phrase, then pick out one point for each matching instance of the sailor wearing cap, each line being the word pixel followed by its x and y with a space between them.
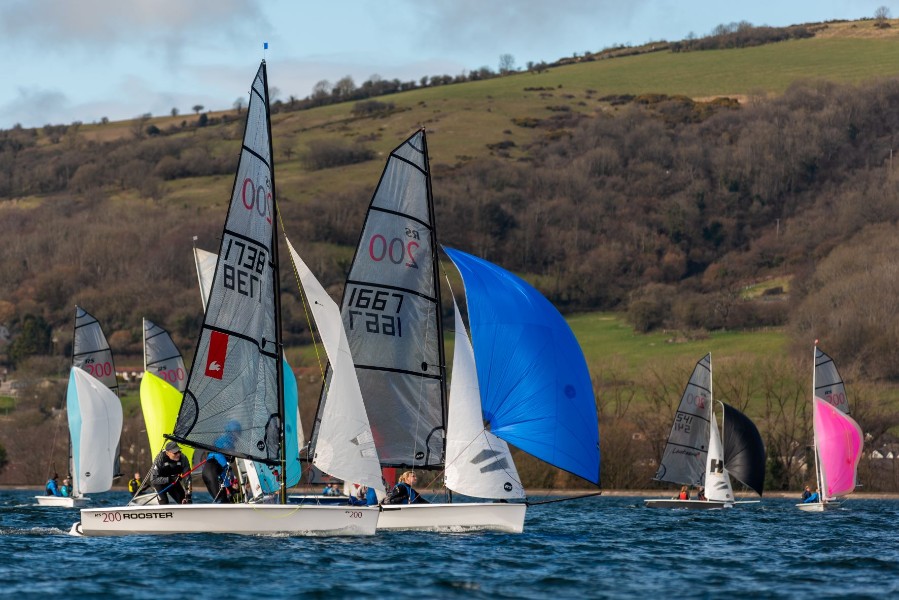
pixel 170 475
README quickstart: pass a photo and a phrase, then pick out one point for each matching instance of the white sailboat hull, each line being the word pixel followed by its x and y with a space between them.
pixel 248 519
pixel 686 504
pixel 493 516
pixel 62 501
pixel 818 506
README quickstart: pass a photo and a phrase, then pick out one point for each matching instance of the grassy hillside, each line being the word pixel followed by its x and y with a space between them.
pixel 463 118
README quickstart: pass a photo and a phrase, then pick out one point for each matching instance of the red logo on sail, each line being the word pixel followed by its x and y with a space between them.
pixel 215 360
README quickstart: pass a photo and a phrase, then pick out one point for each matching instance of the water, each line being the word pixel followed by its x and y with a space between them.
pixel 606 547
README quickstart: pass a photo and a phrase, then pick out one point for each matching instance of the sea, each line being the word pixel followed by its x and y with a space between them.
pixel 600 547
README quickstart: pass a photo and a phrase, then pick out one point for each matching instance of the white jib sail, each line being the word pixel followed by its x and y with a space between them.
pixel 99 428
pixel 717 480
pixel 205 272
pixel 345 447
pixel 477 462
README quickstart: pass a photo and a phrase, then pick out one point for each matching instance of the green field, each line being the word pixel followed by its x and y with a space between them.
pixel 607 338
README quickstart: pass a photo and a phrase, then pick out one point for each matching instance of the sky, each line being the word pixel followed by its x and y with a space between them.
pixel 81 60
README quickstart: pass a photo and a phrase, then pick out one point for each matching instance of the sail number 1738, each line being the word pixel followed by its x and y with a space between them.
pixel 371 309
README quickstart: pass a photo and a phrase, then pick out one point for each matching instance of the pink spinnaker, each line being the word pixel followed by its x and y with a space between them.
pixel 839 441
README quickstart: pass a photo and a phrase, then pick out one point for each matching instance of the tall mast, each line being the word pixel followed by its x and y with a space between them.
pixel 818 482
pixel 276 288
pixel 76 485
pixel 143 326
pixel 439 304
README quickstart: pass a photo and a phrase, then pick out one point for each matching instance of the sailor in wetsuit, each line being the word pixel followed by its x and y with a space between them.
pixel 403 492
pixel 168 468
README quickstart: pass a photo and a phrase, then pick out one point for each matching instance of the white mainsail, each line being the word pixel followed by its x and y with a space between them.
pixel 345 448
pixel 717 480
pixel 478 463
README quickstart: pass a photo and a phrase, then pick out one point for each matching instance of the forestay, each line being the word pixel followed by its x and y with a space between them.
pixel 535 388
pixel 391 313
pixel 237 366
pixel 684 458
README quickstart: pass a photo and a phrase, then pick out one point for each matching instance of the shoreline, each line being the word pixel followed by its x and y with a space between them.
pixel 645 493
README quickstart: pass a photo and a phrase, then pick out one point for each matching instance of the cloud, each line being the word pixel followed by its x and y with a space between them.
pixel 33 107
pixel 522 25
pixel 90 25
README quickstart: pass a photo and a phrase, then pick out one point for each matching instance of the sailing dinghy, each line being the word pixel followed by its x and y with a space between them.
pixel 94 415
pixel 696 455
pixel 391 311
pixel 261 481
pixel 236 376
pixel 838 438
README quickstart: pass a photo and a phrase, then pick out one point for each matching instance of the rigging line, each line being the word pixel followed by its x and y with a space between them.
pixel 599 493
pixel 305 303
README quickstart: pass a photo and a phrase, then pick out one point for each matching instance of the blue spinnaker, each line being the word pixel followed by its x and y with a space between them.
pixel 536 391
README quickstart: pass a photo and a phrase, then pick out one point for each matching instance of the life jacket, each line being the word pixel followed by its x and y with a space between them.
pixel 133 485
pixel 683 496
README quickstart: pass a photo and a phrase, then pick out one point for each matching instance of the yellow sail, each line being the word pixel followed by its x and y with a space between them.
pixel 160 403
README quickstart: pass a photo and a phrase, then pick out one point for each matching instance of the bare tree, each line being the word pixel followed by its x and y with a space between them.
pixel 506 63
pixel 344 87
pixel 239 104
pixel 880 16
pixel 322 89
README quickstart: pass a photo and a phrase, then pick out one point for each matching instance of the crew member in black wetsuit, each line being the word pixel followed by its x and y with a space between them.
pixel 168 468
pixel 403 492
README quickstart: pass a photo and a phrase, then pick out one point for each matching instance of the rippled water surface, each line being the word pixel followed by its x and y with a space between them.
pixel 606 547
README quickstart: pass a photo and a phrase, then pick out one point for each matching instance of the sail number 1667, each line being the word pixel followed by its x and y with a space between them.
pixel 365 300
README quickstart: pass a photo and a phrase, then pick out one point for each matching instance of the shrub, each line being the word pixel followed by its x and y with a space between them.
pixel 324 154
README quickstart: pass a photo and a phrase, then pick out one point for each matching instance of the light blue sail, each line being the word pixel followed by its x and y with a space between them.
pixel 267 478
pixel 536 391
